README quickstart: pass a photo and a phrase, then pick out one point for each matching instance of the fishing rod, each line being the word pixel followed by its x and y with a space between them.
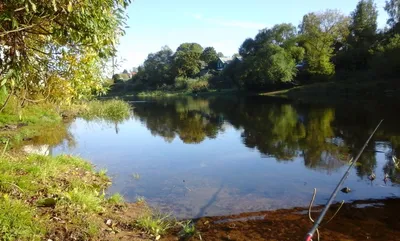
pixel 317 223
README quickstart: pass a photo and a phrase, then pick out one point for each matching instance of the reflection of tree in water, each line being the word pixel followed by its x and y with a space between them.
pixel 324 137
pixel 189 119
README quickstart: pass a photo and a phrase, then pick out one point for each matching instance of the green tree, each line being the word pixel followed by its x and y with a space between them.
pixel 392 7
pixel 357 55
pixel 210 57
pixel 156 69
pixel 270 57
pixel 187 60
pixel 44 41
pixel 322 33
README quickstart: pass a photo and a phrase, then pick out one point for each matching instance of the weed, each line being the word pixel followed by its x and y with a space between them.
pixel 102 173
pixel 116 199
pixel 110 110
pixel 188 230
pixel 154 224
pixel 140 199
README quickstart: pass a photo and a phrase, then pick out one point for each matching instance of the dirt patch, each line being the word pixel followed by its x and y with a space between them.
pixel 360 220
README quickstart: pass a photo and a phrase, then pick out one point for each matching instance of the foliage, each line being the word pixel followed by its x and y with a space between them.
pixel 110 110
pixel 392 7
pixel 357 53
pixel 56 50
pixel 386 58
pixel 321 33
pixel 269 58
pixel 187 60
pixel 156 69
pixel 210 57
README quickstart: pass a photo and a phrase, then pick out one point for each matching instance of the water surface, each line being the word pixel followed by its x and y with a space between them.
pixel 218 156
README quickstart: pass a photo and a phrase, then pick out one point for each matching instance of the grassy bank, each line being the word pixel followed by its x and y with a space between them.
pixel 51 197
pixel 333 92
pixel 162 93
pixel 48 122
pixel 63 197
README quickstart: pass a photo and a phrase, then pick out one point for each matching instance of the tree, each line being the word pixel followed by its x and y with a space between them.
pixel 392 7
pixel 270 57
pixel 322 33
pixel 363 26
pixel 187 60
pixel 156 69
pixel 43 43
pixel 220 54
pixel 209 56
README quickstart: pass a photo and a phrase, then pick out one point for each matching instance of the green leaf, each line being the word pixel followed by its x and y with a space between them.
pixel 69 8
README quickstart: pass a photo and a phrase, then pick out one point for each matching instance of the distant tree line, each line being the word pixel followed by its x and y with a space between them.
pixel 326 45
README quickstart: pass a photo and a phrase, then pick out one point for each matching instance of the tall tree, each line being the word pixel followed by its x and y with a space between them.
pixel 209 56
pixel 268 57
pixel 322 33
pixel 363 26
pixel 392 7
pixel 187 60
pixel 156 70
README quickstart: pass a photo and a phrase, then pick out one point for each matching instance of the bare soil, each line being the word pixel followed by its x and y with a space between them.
pixel 360 220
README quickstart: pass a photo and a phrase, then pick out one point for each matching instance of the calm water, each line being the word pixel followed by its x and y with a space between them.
pixel 217 156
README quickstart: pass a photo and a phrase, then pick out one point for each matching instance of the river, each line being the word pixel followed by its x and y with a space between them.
pixel 196 157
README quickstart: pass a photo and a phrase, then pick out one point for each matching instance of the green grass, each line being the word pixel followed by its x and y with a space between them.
pixel 109 110
pixel 116 199
pixel 18 221
pixel 154 224
pixel 188 230
pixel 29 184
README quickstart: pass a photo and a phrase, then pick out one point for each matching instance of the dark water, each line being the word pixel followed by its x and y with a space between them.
pixel 216 156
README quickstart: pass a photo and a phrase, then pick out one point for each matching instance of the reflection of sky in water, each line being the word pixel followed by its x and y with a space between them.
pixel 215 177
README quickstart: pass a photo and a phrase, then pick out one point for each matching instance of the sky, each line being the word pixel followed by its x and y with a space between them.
pixel 222 24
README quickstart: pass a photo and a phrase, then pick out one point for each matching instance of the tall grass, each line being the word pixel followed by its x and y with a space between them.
pixel 110 110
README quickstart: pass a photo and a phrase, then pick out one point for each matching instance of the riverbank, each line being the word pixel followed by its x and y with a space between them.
pixel 64 197
pixel 336 92
pixel 160 93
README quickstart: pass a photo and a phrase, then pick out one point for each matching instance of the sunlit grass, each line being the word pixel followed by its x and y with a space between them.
pixel 116 199
pixel 67 184
pixel 188 230
pixel 18 222
pixel 154 224
pixel 110 110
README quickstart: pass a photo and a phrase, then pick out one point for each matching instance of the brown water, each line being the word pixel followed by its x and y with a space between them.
pixel 219 156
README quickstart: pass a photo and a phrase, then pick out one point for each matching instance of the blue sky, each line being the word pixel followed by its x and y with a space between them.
pixel 223 24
